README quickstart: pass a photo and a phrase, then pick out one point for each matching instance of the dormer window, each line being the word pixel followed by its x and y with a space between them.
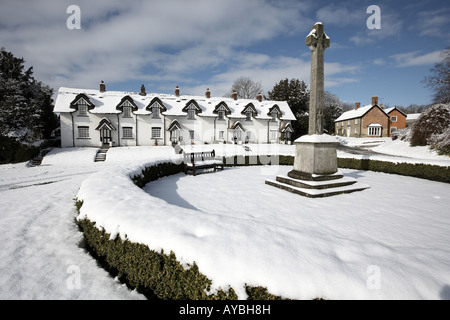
pixel 191 114
pixel 127 106
pixel 249 112
pixel 82 104
pixel 127 112
pixel 155 112
pixel 156 107
pixel 82 110
pixel 275 113
pixel 222 110
pixel 192 109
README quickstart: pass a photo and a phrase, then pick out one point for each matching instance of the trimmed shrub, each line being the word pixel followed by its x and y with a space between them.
pixel 418 170
pixel 155 274
pixel 431 125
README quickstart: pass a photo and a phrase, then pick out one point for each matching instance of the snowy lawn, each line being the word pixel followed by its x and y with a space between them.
pixel 389 242
pixel 40 257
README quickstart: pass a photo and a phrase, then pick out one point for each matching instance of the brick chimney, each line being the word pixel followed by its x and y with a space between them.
pixel 259 97
pixel 357 105
pixel 374 101
pixel 235 95
pixel 177 91
pixel 381 106
pixel 208 94
pixel 143 93
pixel 102 86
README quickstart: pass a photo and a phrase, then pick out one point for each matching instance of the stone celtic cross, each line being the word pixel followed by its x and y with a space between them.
pixel 317 41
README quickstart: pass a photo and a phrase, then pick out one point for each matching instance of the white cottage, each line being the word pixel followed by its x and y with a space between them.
pixel 99 118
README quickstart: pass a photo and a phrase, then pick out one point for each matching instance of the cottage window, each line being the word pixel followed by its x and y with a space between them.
pixel 82 110
pixel 83 132
pixel 394 118
pixel 191 114
pixel 127 112
pixel 156 133
pixel 155 112
pixel 221 134
pixel 127 132
pixel 393 129
pixel 356 121
pixel 274 115
pixel 191 134
pixel 248 114
pixel 221 115
pixel 375 131
pixel 273 134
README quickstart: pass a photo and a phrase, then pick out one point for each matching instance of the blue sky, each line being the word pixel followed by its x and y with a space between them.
pixel 202 44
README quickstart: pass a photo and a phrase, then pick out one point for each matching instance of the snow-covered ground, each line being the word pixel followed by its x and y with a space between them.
pixel 385 249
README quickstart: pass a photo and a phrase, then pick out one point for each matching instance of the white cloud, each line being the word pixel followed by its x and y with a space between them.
pixel 123 40
pixel 434 23
pixel 409 59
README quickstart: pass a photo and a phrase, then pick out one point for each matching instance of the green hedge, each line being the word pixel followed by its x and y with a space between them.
pixel 155 274
pixel 418 170
pixel 12 151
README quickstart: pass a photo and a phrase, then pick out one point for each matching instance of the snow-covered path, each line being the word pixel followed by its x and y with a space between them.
pixel 39 256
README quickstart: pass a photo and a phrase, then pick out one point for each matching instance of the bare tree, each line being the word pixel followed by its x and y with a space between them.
pixel 245 88
pixel 439 81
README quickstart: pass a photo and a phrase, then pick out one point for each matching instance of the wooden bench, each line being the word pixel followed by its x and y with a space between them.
pixel 194 161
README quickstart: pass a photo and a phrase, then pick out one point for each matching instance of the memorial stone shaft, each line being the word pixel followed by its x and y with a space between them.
pixel 317 41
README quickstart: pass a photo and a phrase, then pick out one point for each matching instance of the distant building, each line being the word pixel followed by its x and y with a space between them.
pixel 411 118
pixel 100 118
pixel 370 121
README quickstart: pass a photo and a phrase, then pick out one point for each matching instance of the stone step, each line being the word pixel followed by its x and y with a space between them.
pixel 318 193
pixel 101 155
pixel 343 181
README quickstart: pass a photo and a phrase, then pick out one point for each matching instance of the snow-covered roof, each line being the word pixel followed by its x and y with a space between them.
pixel 413 116
pixel 107 102
pixel 355 113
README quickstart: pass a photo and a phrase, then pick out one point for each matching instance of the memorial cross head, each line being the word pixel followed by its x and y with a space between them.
pixel 317 37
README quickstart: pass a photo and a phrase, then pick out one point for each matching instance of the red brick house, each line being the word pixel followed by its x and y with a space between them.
pixel 370 121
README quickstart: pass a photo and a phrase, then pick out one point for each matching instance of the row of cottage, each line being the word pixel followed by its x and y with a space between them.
pixel 99 118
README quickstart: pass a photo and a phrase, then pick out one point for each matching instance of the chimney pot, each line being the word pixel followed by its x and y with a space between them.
pixel 381 106
pixel 357 105
pixel 102 86
pixel 143 93
pixel 235 95
pixel 208 94
pixel 177 91
pixel 259 97
pixel 374 101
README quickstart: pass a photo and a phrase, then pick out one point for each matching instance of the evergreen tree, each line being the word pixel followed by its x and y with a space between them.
pixel 332 109
pixel 25 103
pixel 296 94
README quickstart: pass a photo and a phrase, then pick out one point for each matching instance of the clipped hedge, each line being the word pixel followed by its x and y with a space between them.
pixel 417 170
pixel 155 274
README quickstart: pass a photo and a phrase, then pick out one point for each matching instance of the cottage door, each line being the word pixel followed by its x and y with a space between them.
pixel 175 136
pixel 105 135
